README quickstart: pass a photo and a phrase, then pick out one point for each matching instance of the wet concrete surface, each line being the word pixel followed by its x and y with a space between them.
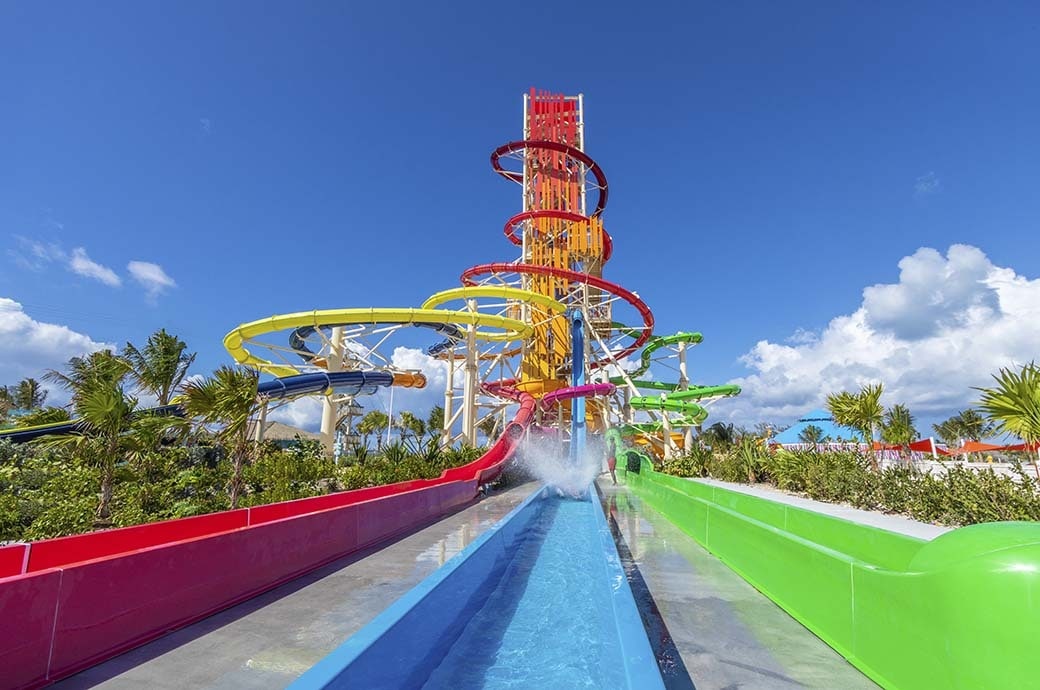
pixel 711 630
pixel 270 640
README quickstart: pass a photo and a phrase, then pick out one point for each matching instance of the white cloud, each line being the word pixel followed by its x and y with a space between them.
pixel 151 277
pixel 206 125
pixel 802 337
pixel 416 400
pixel 933 293
pixel 302 413
pixel 35 255
pixel 29 347
pixel 946 326
pixel 83 265
pixel 625 364
pixel 927 184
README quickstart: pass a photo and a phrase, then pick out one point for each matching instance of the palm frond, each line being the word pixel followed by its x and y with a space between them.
pixel 1014 402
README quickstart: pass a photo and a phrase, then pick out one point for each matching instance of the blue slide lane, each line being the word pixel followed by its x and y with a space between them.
pixel 452 333
pixel 540 600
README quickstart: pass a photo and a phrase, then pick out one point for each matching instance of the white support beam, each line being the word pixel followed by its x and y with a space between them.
pixel 449 401
pixel 261 423
pixel 469 402
pixel 666 429
pixel 684 384
pixel 329 413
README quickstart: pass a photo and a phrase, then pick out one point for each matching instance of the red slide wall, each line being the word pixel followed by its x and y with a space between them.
pixel 69 603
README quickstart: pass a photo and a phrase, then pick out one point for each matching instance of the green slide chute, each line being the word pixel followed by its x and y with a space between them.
pixel 674 398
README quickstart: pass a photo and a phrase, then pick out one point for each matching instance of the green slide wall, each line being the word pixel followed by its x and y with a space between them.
pixel 960 611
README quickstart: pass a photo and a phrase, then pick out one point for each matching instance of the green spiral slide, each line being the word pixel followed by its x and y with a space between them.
pixel 674 398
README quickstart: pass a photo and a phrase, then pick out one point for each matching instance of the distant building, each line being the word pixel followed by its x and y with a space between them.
pixel 284 435
pixel 833 432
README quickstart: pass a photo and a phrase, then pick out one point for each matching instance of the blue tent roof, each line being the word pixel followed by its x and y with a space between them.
pixel 818 418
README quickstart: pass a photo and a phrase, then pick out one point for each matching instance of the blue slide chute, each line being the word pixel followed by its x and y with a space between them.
pixel 298 339
pixel 346 382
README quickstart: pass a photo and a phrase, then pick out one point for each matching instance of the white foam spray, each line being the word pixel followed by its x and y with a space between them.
pixel 548 461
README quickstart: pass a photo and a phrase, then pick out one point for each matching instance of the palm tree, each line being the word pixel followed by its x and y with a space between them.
pixel 374 422
pixel 898 427
pixel 28 394
pixel 160 367
pixel 410 425
pixel 44 415
pixel 106 415
pixel 98 369
pixel 965 425
pixel 720 435
pixel 811 434
pixel 230 399
pixel 489 427
pixel 974 426
pixel 6 403
pixel 435 421
pixel 1014 404
pixel 948 432
pixel 861 411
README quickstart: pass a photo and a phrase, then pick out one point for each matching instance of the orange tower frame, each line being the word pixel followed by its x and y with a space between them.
pixel 556 232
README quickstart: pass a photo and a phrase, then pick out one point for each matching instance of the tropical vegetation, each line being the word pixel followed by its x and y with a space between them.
pixel 966 425
pixel 1014 404
pixel 125 466
pixel 958 496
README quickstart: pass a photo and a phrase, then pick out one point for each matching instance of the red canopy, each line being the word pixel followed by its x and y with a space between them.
pixel 927 445
pixel 976 447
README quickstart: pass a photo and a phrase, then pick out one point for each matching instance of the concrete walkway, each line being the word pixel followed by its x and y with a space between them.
pixel 270 640
pixel 892 523
pixel 710 629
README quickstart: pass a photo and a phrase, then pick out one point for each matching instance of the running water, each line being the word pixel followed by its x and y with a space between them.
pixel 548 622
pixel 546 460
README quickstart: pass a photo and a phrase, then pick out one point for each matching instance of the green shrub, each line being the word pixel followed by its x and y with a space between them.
pixel 960 497
pixel 48 492
pixel 66 501
pixel 695 463
pixel 283 474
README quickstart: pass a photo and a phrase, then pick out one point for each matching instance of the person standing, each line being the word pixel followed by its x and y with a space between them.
pixel 611 459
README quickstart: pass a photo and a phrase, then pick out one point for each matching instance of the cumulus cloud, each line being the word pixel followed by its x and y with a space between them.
pixel 934 293
pixel 417 400
pixel 29 347
pixel 949 323
pixel 151 277
pixel 83 265
pixel 302 413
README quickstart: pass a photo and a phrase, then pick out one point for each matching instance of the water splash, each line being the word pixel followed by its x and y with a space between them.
pixel 547 460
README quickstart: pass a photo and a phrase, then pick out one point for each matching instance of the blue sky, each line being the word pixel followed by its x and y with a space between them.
pixel 767 165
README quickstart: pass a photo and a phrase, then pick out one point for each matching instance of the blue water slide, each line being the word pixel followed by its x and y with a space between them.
pixel 74 426
pixel 346 382
pixel 451 332
pixel 540 600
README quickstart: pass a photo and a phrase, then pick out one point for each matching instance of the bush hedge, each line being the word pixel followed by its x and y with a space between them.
pixel 45 492
pixel 960 496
